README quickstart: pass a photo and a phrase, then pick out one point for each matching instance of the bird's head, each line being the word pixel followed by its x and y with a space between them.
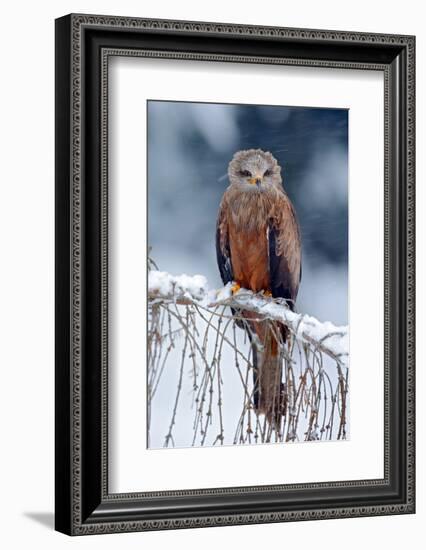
pixel 254 169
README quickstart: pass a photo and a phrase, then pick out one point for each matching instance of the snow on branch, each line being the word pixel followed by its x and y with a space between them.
pixel 181 288
pixel 326 337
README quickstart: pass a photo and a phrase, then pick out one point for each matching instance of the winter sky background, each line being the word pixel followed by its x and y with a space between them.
pixel 189 148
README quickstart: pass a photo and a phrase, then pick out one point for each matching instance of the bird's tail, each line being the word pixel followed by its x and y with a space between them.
pixel 268 394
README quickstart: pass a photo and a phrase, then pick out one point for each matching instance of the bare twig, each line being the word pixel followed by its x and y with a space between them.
pixel 185 318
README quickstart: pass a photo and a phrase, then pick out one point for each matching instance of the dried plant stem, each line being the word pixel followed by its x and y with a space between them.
pixel 203 333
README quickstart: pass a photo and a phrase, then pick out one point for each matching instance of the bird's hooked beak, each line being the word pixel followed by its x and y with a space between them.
pixel 257 180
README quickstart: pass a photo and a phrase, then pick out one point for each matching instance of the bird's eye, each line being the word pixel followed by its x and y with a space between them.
pixel 245 174
pixel 268 173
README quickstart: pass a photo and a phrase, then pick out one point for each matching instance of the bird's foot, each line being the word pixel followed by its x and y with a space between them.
pixel 267 293
pixel 235 288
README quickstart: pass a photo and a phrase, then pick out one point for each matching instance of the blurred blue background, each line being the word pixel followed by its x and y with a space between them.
pixel 189 148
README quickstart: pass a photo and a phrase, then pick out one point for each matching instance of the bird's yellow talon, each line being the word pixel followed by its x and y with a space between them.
pixel 235 288
pixel 268 293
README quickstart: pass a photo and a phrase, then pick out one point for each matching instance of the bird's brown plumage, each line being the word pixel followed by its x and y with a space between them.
pixel 258 247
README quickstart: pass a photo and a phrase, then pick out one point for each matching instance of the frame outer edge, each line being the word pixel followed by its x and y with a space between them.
pixel 63 494
pixel 77 22
pixel 411 272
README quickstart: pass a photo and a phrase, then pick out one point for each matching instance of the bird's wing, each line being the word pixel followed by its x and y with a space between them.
pixel 223 250
pixel 285 265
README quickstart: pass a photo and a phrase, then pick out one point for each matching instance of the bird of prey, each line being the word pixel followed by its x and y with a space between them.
pixel 258 248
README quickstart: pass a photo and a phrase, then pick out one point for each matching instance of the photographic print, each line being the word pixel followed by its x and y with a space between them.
pixel 248 338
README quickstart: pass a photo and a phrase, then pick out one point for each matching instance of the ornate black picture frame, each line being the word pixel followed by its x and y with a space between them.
pixel 83 45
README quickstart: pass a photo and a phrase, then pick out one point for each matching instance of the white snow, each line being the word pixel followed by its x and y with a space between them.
pixel 329 338
pixel 164 285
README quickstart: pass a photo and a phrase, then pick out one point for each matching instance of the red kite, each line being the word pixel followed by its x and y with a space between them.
pixel 258 248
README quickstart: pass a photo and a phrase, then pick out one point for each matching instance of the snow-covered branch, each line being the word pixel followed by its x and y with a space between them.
pixel 326 337
pixel 181 289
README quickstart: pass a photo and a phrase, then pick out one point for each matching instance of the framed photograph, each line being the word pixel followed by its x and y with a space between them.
pixel 234 274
